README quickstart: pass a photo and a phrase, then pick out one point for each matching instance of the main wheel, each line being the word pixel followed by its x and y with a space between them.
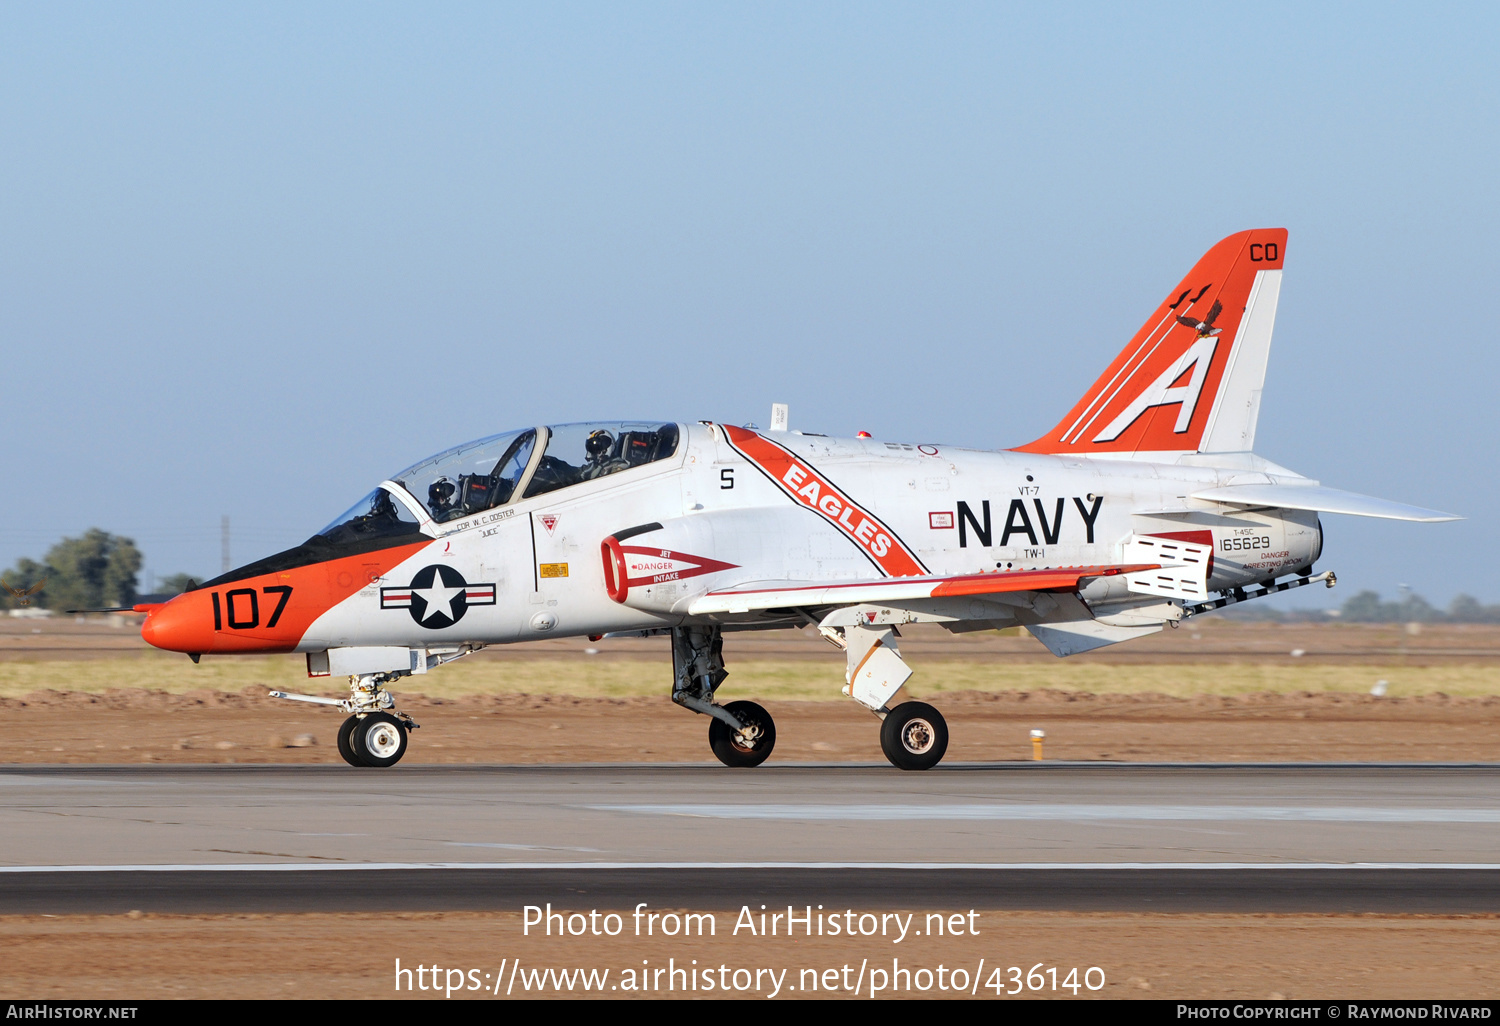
pixel 914 736
pixel 346 741
pixel 379 740
pixel 749 747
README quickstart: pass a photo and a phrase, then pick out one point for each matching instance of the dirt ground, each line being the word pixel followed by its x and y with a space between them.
pixel 126 727
pixel 1141 955
pixel 1211 692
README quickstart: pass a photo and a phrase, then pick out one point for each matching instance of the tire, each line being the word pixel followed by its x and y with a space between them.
pixel 914 736
pixel 731 748
pixel 379 740
pixel 346 741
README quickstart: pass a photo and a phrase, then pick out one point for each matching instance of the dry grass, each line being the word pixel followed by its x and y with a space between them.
pixel 783 680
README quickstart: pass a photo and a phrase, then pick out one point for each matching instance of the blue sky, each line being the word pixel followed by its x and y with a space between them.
pixel 255 258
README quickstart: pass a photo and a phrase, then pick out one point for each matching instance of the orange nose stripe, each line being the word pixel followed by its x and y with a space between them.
pixel 185 624
pixel 268 613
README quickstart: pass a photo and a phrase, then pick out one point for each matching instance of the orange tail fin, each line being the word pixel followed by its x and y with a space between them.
pixel 1190 379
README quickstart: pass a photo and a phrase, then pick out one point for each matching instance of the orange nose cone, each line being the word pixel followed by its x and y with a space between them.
pixel 185 624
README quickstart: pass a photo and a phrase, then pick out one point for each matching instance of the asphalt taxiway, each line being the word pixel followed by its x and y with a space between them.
pixel 1298 837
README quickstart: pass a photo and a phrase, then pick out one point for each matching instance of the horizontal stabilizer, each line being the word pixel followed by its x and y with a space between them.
pixel 1321 500
pixel 798 594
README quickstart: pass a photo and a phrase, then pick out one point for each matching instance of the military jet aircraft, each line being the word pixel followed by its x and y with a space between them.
pixel 1145 505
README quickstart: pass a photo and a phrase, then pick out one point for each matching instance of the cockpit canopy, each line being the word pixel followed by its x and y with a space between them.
pixel 475 477
pixel 377 515
pixel 470 478
pixel 504 468
pixel 585 452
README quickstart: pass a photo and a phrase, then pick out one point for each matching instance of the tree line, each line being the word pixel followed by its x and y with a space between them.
pixel 1368 607
pixel 98 570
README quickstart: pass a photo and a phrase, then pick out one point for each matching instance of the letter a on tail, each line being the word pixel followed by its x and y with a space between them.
pixel 1190 379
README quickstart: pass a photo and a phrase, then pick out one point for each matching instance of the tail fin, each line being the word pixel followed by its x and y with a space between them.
pixel 1190 380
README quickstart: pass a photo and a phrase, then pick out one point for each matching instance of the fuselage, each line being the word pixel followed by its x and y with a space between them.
pixel 718 512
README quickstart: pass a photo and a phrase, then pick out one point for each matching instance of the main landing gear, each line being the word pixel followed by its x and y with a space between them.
pixel 740 733
pixel 374 735
pixel 748 745
pixel 914 735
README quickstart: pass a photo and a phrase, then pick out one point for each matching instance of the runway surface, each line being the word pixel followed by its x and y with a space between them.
pixel 268 838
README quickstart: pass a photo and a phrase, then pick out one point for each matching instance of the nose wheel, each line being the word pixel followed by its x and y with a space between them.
pixel 346 742
pixel 749 746
pixel 914 736
pixel 378 740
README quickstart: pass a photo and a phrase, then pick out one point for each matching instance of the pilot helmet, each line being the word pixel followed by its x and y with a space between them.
pixel 599 443
pixel 440 492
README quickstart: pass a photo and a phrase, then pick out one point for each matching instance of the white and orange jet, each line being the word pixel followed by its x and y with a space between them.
pixel 1143 506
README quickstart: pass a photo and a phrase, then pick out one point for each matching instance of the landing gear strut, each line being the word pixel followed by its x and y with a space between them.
pixel 740 733
pixel 372 736
pixel 914 735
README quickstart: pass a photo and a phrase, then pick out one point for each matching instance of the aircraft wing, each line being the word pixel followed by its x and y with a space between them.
pixel 1320 499
pixel 803 594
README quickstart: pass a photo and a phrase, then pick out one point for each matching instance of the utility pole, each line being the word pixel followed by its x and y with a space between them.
pixel 224 543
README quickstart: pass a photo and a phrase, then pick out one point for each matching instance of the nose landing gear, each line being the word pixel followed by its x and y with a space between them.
pixel 371 737
pixel 346 741
pixel 378 740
